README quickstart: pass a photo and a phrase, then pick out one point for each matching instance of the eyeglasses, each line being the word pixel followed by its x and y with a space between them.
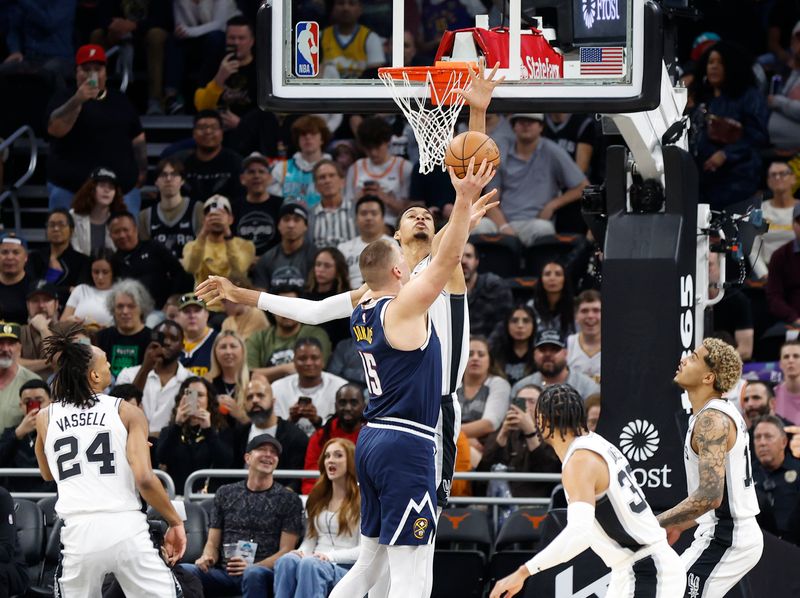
pixel 57 225
pixel 780 175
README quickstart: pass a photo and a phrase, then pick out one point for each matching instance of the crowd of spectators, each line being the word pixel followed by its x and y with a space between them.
pixel 286 203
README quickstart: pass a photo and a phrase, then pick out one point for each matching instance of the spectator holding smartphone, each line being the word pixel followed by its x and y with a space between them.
pixel 518 446
pixel 197 437
pixel 230 376
pixel 233 89
pixel 17 442
pixel 160 374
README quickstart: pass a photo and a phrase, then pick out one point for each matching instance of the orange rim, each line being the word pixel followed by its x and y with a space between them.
pixel 440 74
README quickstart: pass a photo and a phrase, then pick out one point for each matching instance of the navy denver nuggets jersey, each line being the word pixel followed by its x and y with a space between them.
pixel 401 384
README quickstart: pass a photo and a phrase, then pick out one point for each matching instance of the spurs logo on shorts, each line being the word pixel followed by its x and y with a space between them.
pixel 420 525
pixel 693 585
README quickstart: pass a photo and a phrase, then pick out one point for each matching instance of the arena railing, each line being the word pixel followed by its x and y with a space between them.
pixel 495 502
pixel 32 472
pixel 11 192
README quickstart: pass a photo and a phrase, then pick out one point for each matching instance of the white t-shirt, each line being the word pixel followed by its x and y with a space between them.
pixel 323 397
pixel 579 361
pixel 157 401
pixel 394 176
pixel 351 250
pixel 90 304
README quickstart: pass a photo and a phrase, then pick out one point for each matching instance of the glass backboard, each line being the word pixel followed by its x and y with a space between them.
pixel 556 55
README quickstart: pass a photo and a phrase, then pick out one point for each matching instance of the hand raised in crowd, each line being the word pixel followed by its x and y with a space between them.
pixel 229 65
pixel 41 323
pixel 202 417
pixel 228 405
pixel 153 356
pixel 229 120
pixel 86 91
pixel 27 425
pixel 183 412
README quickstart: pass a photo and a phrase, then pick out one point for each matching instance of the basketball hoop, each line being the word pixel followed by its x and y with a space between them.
pixel 432 125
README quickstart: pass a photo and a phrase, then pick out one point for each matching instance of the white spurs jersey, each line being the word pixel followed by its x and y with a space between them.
pixel 623 521
pixel 86 450
pixel 739 500
pixel 450 317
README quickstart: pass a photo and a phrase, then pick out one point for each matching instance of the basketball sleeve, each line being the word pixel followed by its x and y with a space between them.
pixel 306 311
pixel 573 539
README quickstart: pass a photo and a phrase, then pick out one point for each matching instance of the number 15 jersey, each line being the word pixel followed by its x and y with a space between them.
pixel 86 450
pixel 624 523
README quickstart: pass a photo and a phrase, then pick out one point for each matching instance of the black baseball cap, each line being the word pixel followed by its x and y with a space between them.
pixel 549 336
pixel 263 439
pixel 297 209
pixel 45 289
pixel 104 174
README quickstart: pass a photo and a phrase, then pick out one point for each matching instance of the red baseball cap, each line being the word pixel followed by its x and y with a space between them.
pixel 90 53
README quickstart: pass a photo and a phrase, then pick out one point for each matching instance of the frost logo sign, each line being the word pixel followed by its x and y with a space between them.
pixel 600 10
pixel 639 440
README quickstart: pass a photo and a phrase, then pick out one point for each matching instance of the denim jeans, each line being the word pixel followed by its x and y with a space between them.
pixel 62 198
pixel 256 582
pixel 307 577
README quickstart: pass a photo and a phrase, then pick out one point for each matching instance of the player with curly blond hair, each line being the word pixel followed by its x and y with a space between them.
pixel 722 498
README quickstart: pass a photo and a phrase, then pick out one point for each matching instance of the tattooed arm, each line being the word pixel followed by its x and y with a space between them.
pixel 710 440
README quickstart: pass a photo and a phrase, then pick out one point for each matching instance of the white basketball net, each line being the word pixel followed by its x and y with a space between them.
pixel 433 125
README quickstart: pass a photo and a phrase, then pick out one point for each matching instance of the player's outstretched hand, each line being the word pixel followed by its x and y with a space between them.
pixel 511 585
pixel 214 289
pixel 480 207
pixel 472 184
pixel 673 533
pixel 479 88
pixel 175 543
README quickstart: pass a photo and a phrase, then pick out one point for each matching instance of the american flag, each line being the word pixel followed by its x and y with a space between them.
pixel 601 61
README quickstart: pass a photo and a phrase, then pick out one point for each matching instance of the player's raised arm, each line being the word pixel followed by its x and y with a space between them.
pixel 478 93
pixel 584 476
pixel 711 439
pixel 216 288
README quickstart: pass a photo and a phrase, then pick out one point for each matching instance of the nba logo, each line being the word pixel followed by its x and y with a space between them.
pixel 306 55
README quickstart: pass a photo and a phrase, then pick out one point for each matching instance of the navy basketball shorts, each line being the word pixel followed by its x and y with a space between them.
pixel 396 473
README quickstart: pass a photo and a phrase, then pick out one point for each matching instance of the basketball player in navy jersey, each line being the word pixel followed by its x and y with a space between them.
pixel 607 510
pixel 722 498
pixel 95 447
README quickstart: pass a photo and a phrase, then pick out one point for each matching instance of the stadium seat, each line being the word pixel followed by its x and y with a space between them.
pixel 208 506
pixel 522 288
pixel 464 529
pixel 196 526
pixel 30 534
pixel 549 248
pixel 517 541
pixel 43 585
pixel 558 498
pixel 499 254
pixel 48 507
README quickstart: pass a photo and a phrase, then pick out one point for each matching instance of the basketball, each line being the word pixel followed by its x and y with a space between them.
pixel 466 145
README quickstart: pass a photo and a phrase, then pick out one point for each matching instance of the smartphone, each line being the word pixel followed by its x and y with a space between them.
pixel 775 85
pixel 191 400
pixel 31 405
pixel 157 336
pixel 304 400
pixel 520 403
pixel 230 49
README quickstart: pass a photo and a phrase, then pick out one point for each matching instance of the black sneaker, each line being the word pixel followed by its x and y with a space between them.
pixel 175 105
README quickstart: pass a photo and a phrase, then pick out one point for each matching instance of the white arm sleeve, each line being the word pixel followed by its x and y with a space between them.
pixel 573 539
pixel 306 311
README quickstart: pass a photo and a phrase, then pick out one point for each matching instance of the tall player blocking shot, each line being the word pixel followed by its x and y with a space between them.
pixel 722 498
pixel 607 510
pixel 95 447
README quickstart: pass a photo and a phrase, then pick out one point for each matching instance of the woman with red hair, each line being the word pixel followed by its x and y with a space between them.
pixel 98 198
pixel 331 543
